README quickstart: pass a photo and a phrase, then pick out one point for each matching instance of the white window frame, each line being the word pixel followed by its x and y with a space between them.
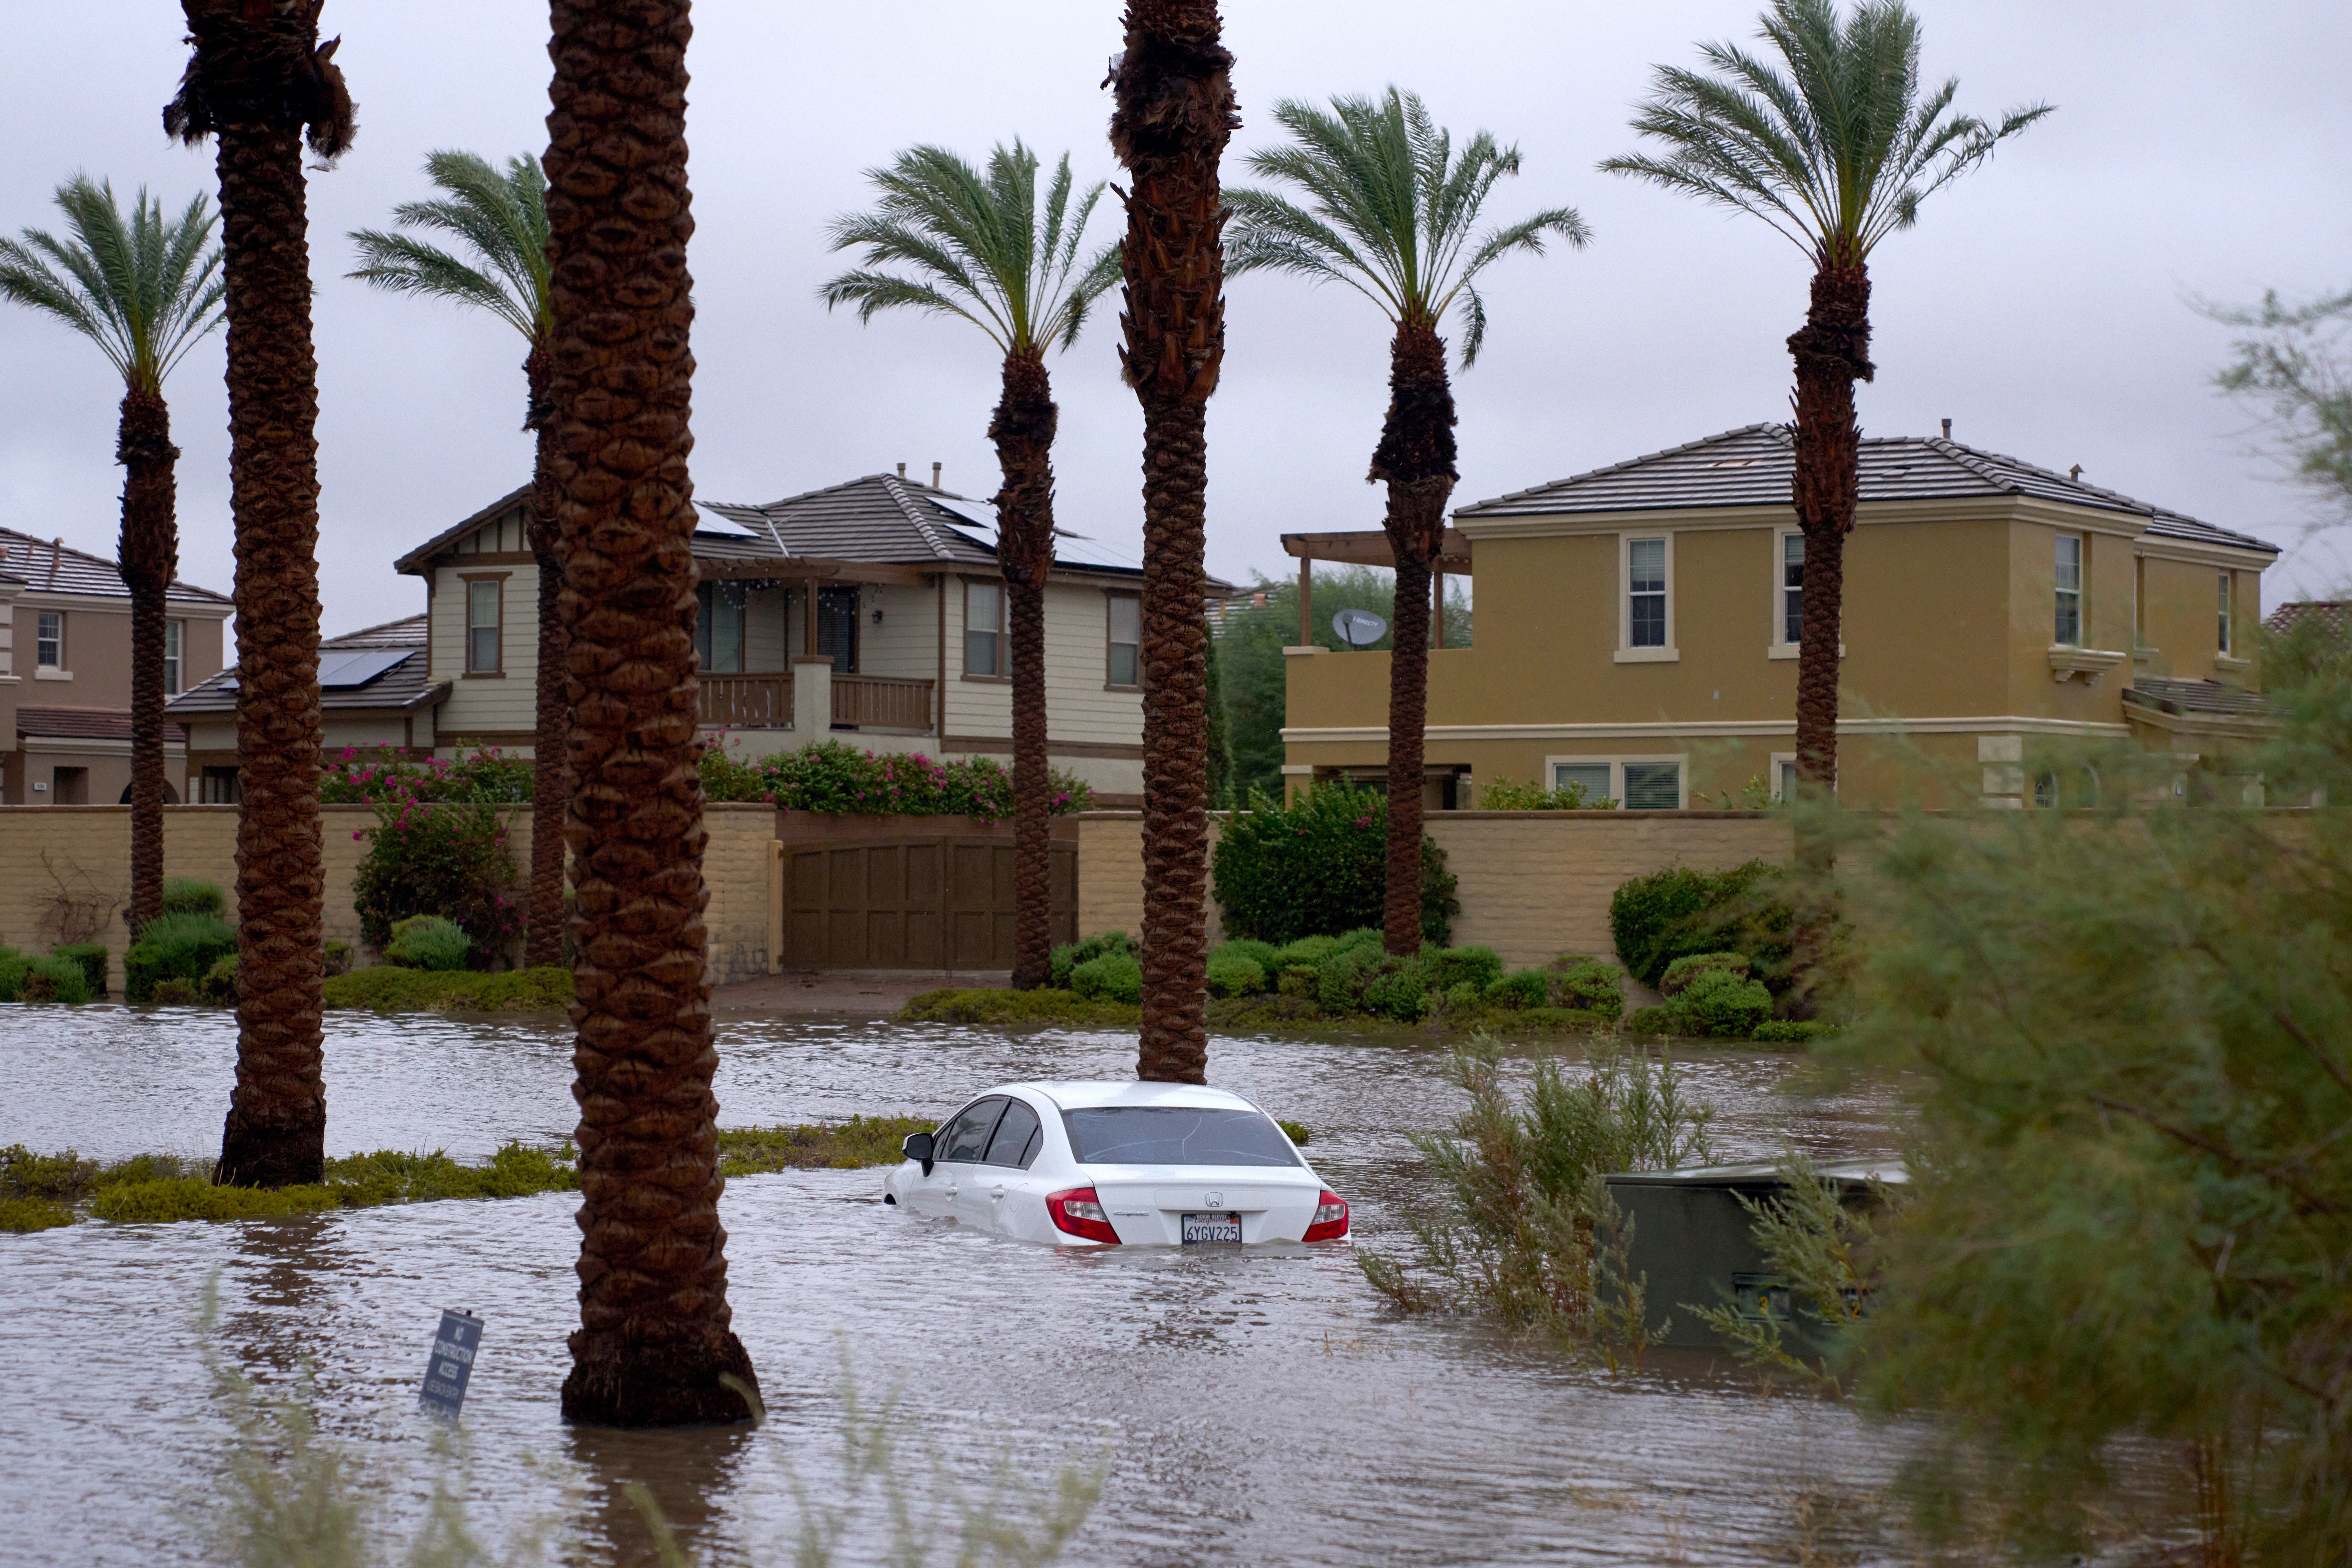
pixel 497 584
pixel 57 659
pixel 2228 626
pixel 1004 631
pixel 1774 647
pixel 2080 589
pixel 1626 652
pixel 1781 762
pixel 175 651
pixel 1617 772
pixel 1112 598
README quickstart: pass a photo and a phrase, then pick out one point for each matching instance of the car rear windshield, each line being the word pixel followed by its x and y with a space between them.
pixel 1175 1135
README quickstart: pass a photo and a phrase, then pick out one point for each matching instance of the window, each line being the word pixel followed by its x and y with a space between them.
pixel 2225 613
pixel 983 629
pixel 967 1136
pixel 718 627
pixel 1175 1135
pixel 484 598
pixel 1653 786
pixel 49 640
pixel 1645 593
pixel 1593 778
pixel 1792 587
pixel 1017 1136
pixel 2070 591
pixel 1784 779
pixel 176 639
pixel 836 628
pixel 1126 662
pixel 220 786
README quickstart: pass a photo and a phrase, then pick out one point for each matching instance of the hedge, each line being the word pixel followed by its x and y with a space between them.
pixel 1321 868
pixel 1680 913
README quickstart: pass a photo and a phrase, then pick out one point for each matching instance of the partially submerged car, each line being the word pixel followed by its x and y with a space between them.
pixel 1085 1164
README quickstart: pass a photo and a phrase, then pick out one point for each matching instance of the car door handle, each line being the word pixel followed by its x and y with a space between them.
pixel 951 1189
pixel 996 1192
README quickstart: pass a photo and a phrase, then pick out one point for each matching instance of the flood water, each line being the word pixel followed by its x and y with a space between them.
pixel 1253 1408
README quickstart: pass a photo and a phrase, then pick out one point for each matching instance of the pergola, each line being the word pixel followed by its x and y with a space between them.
pixel 1368 547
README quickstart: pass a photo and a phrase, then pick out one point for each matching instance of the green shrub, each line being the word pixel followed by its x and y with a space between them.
pixel 1234 975
pixel 173 992
pixel 372 775
pixel 1503 795
pixel 1684 971
pixel 182 946
pixel 1580 1019
pixel 1650 1021
pixel 387 988
pixel 1589 984
pixel 855 1144
pixel 192 1197
pixel 990 1008
pixel 428 941
pixel 1066 958
pixel 1295 1131
pixel 446 858
pixel 1791 1032
pixel 1450 966
pixel 1524 988
pixel 1678 913
pixel 1113 977
pixel 1264 954
pixel 218 987
pixel 1318 866
pixel 339 958
pixel 25 1215
pixel 1719 1000
pixel 837 780
pixel 53 978
pixel 1461 996
pixel 91 956
pixel 1366 980
pixel 393 1176
pixel 192 896
pixel 13 965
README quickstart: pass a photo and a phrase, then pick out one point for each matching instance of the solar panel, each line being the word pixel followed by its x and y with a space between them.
pixel 341 671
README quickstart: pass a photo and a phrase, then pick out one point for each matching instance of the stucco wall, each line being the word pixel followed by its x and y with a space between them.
pixel 1533 884
pixel 89 847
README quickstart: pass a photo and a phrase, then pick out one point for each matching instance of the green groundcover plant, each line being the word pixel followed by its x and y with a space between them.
pixel 389 988
pixel 1319 868
pixel 838 780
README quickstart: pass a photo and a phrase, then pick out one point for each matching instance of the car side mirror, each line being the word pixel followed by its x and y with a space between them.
pixel 918 1147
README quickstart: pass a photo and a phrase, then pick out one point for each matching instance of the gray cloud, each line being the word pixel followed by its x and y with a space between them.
pixel 2039 304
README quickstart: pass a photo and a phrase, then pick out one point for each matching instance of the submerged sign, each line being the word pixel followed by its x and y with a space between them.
pixel 451 1363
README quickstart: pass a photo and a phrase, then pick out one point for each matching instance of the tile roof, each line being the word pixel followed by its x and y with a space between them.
pixel 83 724
pixel 400 686
pixel 46 564
pixel 2195 697
pixel 2334 616
pixel 1754 465
pixel 878 517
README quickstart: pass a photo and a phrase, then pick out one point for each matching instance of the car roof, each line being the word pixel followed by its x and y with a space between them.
pixel 1079 1095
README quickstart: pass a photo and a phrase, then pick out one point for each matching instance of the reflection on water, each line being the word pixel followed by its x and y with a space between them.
pixel 1259 1407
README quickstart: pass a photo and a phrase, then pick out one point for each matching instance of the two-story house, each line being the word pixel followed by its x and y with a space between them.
pixel 65 673
pixel 871 612
pixel 372 692
pixel 1638 625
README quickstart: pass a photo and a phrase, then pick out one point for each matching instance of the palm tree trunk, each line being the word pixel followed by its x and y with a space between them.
pixel 1023 430
pixel 276 1126
pixel 1831 352
pixel 1174 115
pixel 1415 458
pixel 654 1348
pixel 149 557
pixel 551 774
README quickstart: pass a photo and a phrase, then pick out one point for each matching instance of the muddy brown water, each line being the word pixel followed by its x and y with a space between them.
pixel 1261 1407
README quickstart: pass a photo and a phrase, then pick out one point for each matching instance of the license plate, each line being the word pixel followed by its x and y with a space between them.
pixel 1200 1228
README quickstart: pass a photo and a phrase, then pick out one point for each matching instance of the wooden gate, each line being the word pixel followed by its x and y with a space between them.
pixel 915 902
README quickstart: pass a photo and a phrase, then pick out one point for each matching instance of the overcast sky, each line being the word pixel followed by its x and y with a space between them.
pixel 2039 304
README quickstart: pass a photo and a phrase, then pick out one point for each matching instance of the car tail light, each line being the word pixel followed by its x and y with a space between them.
pixel 1330 1217
pixel 1078 1212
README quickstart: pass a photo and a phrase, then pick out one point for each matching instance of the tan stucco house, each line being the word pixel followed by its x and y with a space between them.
pixel 870 611
pixel 1636 632
pixel 65 673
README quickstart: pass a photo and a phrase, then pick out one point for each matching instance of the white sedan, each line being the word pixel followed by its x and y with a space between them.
pixel 1083 1164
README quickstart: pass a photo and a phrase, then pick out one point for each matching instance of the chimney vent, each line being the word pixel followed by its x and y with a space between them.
pixel 2075 473
pixel 935 476
pixel 1948 429
pixel 902 470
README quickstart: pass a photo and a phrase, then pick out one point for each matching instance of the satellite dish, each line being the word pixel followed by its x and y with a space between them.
pixel 1359 628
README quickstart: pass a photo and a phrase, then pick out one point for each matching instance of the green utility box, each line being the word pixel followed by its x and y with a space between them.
pixel 1695 1243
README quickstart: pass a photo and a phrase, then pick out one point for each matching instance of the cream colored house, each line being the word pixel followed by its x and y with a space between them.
pixel 373 692
pixel 870 611
pixel 1637 633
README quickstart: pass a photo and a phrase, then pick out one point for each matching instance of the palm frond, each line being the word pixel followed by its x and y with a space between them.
pixel 500 217
pixel 145 288
pixel 1834 145
pixel 946 237
pixel 1389 205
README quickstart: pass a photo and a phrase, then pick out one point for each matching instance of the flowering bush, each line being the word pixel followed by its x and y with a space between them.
pixel 834 778
pixel 439 848
pixel 359 776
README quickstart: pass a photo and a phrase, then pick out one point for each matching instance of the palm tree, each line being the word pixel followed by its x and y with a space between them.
pixel 501 218
pixel 259 82
pixel 654 1348
pixel 1173 86
pixel 972 246
pixel 1390 213
pixel 1835 155
pixel 144 291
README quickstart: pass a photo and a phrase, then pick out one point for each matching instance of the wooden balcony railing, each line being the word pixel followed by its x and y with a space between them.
pixel 882 702
pixel 742 700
